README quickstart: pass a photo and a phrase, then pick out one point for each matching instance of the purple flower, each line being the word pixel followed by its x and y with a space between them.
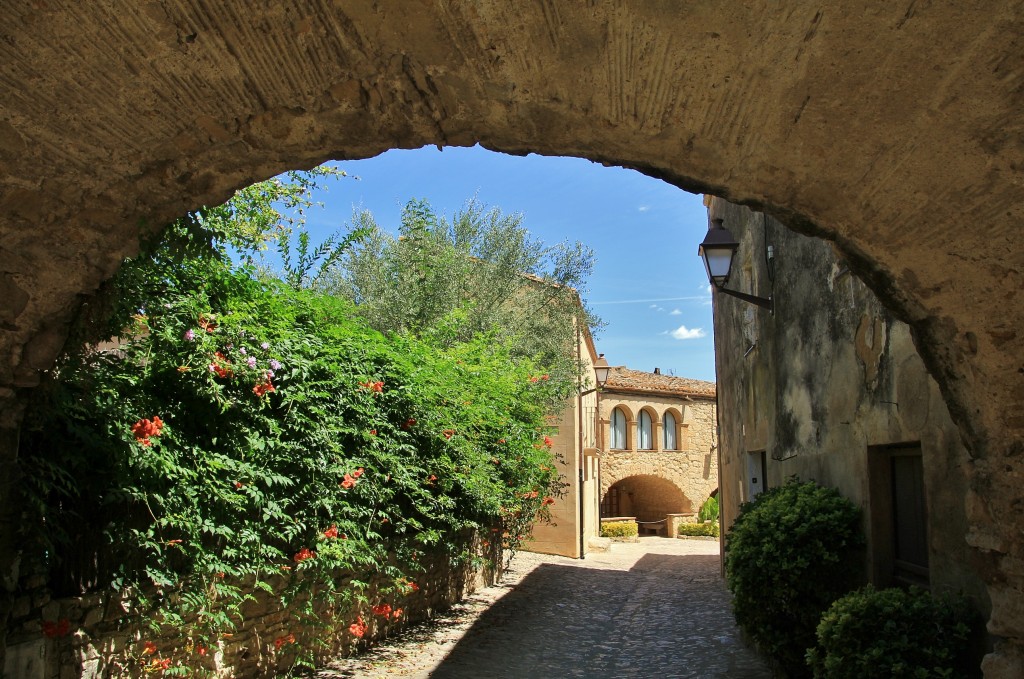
pixel 241 350
pixel 265 346
pixel 251 361
pixel 270 373
pixel 190 334
pixel 274 365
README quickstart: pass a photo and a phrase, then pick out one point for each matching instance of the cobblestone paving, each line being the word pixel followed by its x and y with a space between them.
pixel 658 608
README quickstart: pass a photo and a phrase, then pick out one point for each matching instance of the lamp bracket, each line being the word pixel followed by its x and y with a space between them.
pixel 763 302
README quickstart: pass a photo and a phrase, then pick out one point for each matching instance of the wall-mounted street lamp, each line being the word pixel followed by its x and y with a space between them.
pixel 717 250
pixel 601 370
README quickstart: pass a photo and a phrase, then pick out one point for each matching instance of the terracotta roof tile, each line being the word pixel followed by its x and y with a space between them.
pixel 624 379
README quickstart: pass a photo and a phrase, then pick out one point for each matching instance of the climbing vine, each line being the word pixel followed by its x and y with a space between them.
pixel 243 434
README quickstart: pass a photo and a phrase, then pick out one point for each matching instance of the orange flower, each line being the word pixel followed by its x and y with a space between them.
pixel 281 641
pixel 348 481
pixel 548 442
pixel 533 379
pixel 149 648
pixel 409 424
pixel 145 428
pixel 397 614
pixel 303 554
pixel 448 433
pixel 331 532
pixel 358 628
pixel 375 387
pixel 357 473
pixel 373 432
pixel 263 388
pixel 221 366
pixel 201 650
pixel 383 610
pixel 548 501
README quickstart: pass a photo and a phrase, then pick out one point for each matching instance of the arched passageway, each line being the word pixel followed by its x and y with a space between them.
pixel 648 498
pixel 893 130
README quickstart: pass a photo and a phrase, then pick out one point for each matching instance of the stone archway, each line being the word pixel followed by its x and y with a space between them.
pixel 894 131
pixel 647 497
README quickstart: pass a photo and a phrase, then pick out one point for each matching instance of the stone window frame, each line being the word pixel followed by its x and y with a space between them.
pixel 627 428
pixel 655 429
pixel 677 425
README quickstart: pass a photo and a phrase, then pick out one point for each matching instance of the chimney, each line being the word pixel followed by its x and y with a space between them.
pixel 657 371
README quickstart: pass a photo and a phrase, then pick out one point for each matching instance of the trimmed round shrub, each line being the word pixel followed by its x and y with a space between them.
pixel 619 529
pixel 894 633
pixel 791 553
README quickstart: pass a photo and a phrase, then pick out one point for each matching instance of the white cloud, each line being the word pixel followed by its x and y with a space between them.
pixel 684 333
pixel 653 306
pixel 643 208
pixel 675 312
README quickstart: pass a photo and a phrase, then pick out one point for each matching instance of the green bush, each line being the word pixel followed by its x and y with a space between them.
pixel 619 529
pixel 699 529
pixel 246 431
pixel 878 634
pixel 789 555
pixel 708 511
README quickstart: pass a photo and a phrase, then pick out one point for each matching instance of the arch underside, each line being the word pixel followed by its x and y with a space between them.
pixel 895 131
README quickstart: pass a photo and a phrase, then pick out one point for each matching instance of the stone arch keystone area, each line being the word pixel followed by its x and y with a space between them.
pixel 895 130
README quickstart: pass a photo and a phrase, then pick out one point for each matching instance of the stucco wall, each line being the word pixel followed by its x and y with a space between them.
pixel 692 468
pixel 572 437
pixel 831 374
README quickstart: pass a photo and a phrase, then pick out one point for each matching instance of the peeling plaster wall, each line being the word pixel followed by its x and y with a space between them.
pixel 831 374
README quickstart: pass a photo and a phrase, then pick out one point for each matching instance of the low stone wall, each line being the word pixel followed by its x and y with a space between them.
pixel 673 522
pixel 98 635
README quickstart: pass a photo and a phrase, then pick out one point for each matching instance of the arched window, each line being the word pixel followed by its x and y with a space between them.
pixel 668 425
pixel 643 431
pixel 618 429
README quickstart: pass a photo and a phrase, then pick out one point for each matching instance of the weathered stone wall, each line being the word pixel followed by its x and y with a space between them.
pixel 892 129
pixel 831 374
pixel 692 468
pixel 99 634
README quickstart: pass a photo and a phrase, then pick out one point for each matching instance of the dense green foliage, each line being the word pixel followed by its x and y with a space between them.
pixel 708 511
pixel 619 529
pixel 709 529
pixel 247 428
pixel 790 553
pixel 481 267
pixel 894 634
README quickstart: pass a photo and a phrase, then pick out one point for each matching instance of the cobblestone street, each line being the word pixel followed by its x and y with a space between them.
pixel 658 608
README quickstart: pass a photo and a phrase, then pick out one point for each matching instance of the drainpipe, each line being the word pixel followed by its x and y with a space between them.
pixel 581 459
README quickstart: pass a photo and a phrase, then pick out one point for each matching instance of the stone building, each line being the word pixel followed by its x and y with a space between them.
pixel 658 436
pixel 830 387
pixel 892 130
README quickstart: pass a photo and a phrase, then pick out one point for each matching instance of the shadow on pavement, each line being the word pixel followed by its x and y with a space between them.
pixel 667 617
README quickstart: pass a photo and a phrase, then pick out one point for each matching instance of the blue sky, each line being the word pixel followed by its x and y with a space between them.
pixel 648 283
